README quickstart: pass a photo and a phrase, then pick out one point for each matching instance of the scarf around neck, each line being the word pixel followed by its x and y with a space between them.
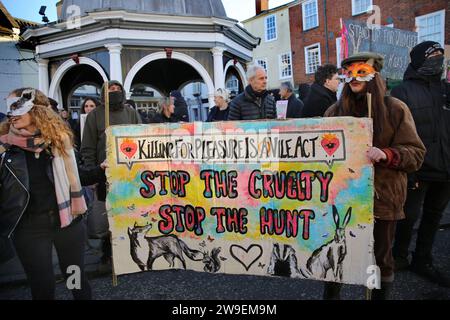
pixel 68 191
pixel 23 139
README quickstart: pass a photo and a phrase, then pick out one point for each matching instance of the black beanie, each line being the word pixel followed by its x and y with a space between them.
pixel 422 51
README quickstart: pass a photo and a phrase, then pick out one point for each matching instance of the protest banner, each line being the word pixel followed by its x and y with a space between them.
pixel 282 108
pixel 277 198
pixel 393 44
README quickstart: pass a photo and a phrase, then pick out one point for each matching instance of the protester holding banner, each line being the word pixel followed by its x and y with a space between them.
pixel 93 151
pixel 255 102
pixel 428 98
pixel 41 204
pixel 295 106
pixel 220 111
pixel 397 149
pixel 323 91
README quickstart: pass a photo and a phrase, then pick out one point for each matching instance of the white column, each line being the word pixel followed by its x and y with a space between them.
pixel 115 62
pixel 43 75
pixel 219 77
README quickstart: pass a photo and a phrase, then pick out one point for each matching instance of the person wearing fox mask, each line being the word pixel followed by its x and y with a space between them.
pixel 397 149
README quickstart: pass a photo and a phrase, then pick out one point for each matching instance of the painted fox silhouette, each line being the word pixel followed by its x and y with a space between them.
pixel 332 254
pixel 135 234
pixel 169 247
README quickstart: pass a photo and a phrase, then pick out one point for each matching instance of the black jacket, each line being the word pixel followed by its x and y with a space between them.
pixel 319 99
pixel 14 187
pixel 161 118
pixel 295 107
pixel 215 114
pixel 247 106
pixel 428 99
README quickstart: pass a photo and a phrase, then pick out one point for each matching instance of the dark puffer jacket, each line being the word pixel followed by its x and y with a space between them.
pixel 428 99
pixel 247 106
pixel 319 99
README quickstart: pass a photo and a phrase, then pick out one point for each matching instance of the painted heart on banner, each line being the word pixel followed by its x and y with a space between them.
pixel 246 257
pixel 128 148
pixel 330 143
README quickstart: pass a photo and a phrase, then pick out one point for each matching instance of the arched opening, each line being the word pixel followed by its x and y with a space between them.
pixel 78 82
pixel 161 76
pixel 62 83
pixel 233 84
pixel 81 92
pixel 146 98
pixel 196 95
pixel 191 70
pixel 235 78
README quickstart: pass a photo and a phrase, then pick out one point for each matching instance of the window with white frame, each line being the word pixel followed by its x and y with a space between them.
pixel 431 27
pixel 361 6
pixel 310 14
pixel 271 27
pixel 285 65
pixel 312 58
pixel 262 62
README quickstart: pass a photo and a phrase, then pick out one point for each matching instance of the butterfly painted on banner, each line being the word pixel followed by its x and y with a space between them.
pixel 261 265
pixel 154 219
pixel 202 244
pixel 132 207
pixel 361 226
pixel 210 239
pixel 145 215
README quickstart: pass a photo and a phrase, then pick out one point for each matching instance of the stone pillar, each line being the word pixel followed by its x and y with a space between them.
pixel 43 76
pixel 219 77
pixel 115 62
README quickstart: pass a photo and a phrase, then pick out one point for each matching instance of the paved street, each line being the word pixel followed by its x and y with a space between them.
pixel 188 285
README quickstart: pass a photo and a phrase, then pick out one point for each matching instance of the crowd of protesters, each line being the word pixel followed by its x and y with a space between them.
pixel 46 161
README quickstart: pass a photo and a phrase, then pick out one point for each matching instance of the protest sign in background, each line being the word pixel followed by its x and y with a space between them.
pixel 283 198
pixel 393 44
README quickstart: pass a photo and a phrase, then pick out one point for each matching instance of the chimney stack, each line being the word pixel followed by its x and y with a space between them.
pixel 261 5
pixel 59 5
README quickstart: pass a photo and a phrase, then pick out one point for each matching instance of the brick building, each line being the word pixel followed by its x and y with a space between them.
pixel 315 26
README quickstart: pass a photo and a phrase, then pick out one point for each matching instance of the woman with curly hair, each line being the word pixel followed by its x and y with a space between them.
pixel 41 203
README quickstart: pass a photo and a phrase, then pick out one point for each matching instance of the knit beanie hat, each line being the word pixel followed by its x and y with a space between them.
pixel 422 51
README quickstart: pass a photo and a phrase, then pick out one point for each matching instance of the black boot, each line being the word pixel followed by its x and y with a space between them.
pixel 384 293
pixel 332 291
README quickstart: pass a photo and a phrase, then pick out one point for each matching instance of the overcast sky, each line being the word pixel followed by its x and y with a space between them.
pixel 29 9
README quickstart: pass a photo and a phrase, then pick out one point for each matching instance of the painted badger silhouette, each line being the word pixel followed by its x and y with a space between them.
pixel 169 247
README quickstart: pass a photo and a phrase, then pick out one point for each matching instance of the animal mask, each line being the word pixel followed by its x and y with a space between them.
pixel 361 71
pixel 20 105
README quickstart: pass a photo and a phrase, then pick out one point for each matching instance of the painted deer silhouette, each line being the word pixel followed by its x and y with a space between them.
pixel 332 254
